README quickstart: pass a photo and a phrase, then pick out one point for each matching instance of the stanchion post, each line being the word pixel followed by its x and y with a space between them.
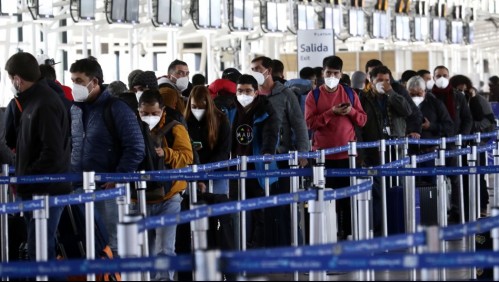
pixel 294 183
pixel 316 210
pixel 382 152
pixel 477 176
pixel 352 154
pixel 410 207
pixel 89 187
pixel 472 202
pixel 40 216
pixel 129 241
pixel 442 197
pixel 267 181
pixel 140 187
pixel 242 197
pixel 494 234
pixel 496 175
pixel 459 145
pixel 207 265
pixel 363 204
pixel 124 201
pixel 4 199
pixel 432 246
pixel 193 187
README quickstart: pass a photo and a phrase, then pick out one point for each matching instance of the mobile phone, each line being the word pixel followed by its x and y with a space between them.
pixel 197 145
pixel 344 105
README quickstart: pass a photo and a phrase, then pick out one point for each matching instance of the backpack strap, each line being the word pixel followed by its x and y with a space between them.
pixel 109 119
pixel 166 131
pixel 349 91
pixel 317 92
pixel 19 107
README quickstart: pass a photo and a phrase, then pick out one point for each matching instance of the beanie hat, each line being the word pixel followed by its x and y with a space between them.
pixel 133 74
pixel 231 74
pixel 358 79
pixel 146 79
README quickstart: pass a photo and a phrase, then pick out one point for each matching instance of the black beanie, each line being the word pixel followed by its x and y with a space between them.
pixel 146 79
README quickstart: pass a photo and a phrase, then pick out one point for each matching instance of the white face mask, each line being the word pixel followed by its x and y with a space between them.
pixel 138 94
pixel 379 88
pixel 442 82
pixel 182 83
pixel 429 84
pixel 80 92
pixel 198 113
pixel 152 121
pixel 260 79
pixel 418 100
pixel 14 89
pixel 331 82
pixel 245 100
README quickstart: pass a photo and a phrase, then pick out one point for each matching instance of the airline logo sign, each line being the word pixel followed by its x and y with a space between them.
pixel 313 46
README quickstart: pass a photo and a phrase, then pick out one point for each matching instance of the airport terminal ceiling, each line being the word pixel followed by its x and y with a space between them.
pixel 130 34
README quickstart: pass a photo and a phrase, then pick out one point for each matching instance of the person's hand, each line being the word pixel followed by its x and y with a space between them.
pixel 426 124
pixel 202 187
pixel 302 162
pixel 341 111
pixel 414 135
pixel 160 151
pixel 387 86
pixel 108 185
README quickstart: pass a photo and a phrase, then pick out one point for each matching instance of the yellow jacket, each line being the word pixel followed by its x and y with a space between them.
pixel 177 155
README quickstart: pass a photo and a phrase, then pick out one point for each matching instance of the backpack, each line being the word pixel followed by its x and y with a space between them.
pixel 300 87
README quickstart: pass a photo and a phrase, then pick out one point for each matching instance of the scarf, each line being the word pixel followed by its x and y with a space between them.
pixel 447 95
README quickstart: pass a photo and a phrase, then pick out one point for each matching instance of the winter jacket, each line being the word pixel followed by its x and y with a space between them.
pixel 463 120
pixel 94 147
pixel 398 109
pixel 265 130
pixel 199 133
pixel 43 140
pixel 290 119
pixel 434 111
pixel 331 130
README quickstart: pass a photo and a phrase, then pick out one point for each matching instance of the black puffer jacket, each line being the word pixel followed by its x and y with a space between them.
pixel 43 139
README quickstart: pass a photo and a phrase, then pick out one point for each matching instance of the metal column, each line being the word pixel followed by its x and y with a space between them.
pixel 316 210
pixel 89 187
pixel 40 216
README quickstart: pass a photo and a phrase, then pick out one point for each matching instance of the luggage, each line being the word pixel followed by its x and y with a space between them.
pixel 428 204
pixel 395 210
pixel 483 242
pixel 71 240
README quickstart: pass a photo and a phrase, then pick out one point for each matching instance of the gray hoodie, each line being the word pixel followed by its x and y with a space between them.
pixel 293 129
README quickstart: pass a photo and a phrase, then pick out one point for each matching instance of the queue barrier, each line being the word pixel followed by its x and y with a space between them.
pixel 184 173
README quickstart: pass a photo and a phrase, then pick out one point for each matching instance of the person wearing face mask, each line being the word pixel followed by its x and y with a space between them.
pixel 94 146
pixel 333 119
pixel 437 122
pixel 426 75
pixel 387 112
pixel 210 132
pixel 255 131
pixel 459 111
pixel 483 121
pixel 292 128
pixel 42 142
pixel 178 77
pixel 174 148
pixel 143 81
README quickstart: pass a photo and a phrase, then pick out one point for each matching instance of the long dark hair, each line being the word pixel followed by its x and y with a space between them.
pixel 213 116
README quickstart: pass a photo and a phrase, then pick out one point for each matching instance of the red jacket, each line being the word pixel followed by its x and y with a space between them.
pixel 224 86
pixel 68 93
pixel 331 130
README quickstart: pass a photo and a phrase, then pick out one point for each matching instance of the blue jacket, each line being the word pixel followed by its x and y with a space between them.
pixel 94 148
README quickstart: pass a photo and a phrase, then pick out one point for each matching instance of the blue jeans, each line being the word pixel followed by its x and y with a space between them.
pixel 162 240
pixel 52 223
pixel 108 212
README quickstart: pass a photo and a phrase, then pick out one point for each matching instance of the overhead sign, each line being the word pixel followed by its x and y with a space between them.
pixel 313 46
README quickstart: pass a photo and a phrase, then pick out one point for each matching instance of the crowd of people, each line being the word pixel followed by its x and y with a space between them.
pixel 50 128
